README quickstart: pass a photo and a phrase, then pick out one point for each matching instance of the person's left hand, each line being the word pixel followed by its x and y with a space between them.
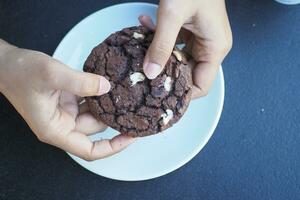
pixel 44 91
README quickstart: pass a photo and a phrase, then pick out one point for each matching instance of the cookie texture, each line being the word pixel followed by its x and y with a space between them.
pixel 136 105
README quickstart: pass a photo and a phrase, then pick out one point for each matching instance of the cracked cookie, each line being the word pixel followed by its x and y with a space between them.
pixel 136 105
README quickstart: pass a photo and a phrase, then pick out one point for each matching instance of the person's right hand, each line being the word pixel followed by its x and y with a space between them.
pixel 43 91
pixel 202 25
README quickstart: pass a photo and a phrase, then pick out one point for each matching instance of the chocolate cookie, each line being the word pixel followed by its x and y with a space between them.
pixel 136 105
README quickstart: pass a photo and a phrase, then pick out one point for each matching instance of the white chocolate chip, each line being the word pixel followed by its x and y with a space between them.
pixel 118 99
pixel 167 116
pixel 178 55
pixel 167 83
pixel 136 77
pixel 138 35
pixel 81 102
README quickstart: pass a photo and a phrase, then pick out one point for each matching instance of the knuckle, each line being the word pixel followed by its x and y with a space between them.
pixel 200 91
pixel 223 47
pixel 39 54
pixel 46 136
pixel 228 44
pixel 87 156
pixel 162 50
pixel 89 86
pixel 204 92
pixel 103 128
pixel 46 70
pixel 169 11
pixel 88 153
pixel 43 138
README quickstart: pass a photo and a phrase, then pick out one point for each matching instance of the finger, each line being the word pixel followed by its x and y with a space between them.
pixel 163 43
pixel 209 56
pixel 79 145
pixel 61 134
pixel 75 82
pixel 204 73
pixel 146 21
pixel 87 124
pixel 182 37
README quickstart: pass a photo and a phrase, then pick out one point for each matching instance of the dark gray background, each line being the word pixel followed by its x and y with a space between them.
pixel 254 153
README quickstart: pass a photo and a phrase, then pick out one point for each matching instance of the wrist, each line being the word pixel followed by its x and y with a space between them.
pixel 5 48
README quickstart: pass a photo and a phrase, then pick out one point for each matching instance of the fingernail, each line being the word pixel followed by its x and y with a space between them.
pixel 152 70
pixel 104 86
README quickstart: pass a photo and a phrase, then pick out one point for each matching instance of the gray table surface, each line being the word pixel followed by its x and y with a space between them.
pixel 254 153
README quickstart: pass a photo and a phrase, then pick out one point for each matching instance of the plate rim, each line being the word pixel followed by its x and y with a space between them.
pixel 196 150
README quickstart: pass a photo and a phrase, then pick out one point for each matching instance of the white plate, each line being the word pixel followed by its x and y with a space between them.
pixel 151 156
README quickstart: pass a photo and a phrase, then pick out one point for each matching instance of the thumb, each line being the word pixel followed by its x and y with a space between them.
pixel 80 83
pixel 168 27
